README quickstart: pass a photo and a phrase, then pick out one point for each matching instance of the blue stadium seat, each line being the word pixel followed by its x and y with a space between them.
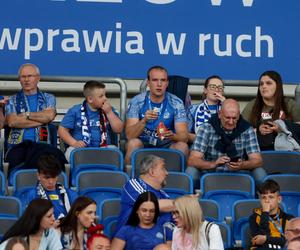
pixel 281 162
pixel 109 210
pixel 10 207
pixel 289 190
pixel 174 159
pixel 241 211
pixel 211 210
pixel 246 236
pixel 25 179
pixel 101 184
pixel 95 159
pixel 110 228
pixel 5 224
pixel 2 183
pixel 178 184
pixel 226 234
pixel 226 188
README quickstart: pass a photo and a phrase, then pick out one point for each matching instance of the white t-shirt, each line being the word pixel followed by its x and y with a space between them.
pixel 215 239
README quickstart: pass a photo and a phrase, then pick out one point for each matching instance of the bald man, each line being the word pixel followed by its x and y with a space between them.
pixel 226 143
pixel 294 244
pixel 292 229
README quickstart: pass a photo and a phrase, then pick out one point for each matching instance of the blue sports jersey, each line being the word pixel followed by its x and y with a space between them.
pixel 55 197
pixel 72 121
pixel 138 238
pixel 131 190
pixel 170 111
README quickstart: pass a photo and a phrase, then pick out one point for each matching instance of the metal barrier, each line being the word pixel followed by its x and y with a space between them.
pixel 78 89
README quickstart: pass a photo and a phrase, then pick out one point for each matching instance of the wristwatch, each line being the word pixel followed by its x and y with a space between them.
pixel 27 115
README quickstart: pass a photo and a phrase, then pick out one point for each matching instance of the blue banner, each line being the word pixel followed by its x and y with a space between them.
pixel 236 39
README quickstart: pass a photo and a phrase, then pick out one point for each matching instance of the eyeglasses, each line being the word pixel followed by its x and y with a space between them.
pixel 175 213
pixel 23 77
pixel 215 87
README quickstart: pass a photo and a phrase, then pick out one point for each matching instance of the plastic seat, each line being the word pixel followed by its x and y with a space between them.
pixel 95 159
pixel 226 234
pixel 299 210
pixel 109 210
pixel 178 184
pixel 10 207
pixel 5 224
pixel 2 183
pixel 101 184
pixel 226 188
pixel 110 228
pixel 241 211
pixel 26 179
pixel 211 210
pixel 284 162
pixel 174 159
pixel 246 236
pixel 289 190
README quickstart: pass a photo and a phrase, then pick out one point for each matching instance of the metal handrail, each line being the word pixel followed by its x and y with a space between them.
pixel 78 89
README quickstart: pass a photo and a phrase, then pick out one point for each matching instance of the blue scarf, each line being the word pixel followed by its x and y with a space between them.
pixel 67 239
pixel 22 105
pixel 62 191
pixel 85 126
pixel 203 114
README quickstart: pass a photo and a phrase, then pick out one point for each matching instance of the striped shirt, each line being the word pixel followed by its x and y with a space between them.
pixel 131 190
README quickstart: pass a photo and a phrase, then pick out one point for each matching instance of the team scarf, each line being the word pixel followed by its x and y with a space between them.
pixel 67 239
pixel 203 114
pixel 62 192
pixel 21 104
pixel 85 126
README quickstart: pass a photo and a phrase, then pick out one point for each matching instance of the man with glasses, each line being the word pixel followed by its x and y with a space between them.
pixel 225 143
pixel 28 113
pixel 156 118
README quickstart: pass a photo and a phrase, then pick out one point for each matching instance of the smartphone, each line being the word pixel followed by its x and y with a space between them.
pixel 267 120
pixel 234 159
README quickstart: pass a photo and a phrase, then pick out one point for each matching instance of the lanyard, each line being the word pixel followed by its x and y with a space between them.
pixel 277 223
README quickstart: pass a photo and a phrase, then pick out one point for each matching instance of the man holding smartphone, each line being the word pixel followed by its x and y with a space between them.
pixel 226 143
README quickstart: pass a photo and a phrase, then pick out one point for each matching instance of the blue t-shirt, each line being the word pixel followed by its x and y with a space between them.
pixel 72 121
pixel 131 190
pixel 55 197
pixel 138 238
pixel 170 111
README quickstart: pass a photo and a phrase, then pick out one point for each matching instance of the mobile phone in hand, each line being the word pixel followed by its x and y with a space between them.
pixel 234 159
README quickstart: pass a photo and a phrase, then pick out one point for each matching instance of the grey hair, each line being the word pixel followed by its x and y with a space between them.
pixel 29 64
pixel 149 162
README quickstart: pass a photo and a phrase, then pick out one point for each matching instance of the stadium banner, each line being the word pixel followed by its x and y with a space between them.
pixel 236 39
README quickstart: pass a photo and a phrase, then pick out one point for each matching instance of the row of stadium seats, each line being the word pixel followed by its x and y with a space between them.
pixel 112 159
pixel 224 188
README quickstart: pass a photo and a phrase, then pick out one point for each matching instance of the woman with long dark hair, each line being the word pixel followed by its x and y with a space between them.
pixel 213 96
pixel 36 227
pixel 141 230
pixel 268 106
pixel 74 226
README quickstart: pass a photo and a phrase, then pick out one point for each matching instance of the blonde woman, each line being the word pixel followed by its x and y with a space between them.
pixel 192 232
